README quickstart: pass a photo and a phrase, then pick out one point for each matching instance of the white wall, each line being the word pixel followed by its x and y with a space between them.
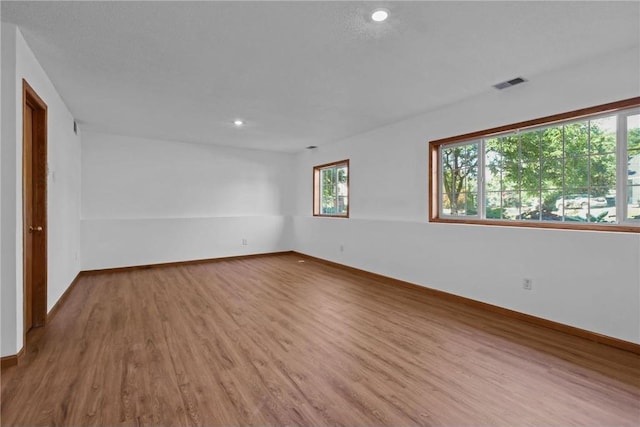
pixel 148 201
pixel 590 280
pixel 63 197
pixel 8 299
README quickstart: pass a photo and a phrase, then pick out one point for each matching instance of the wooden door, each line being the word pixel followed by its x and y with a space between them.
pixel 28 216
pixel 34 179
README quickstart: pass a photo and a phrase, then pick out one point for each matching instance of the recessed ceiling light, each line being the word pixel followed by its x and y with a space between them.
pixel 238 122
pixel 380 15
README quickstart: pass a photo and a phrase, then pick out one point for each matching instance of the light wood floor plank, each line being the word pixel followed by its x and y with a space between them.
pixel 275 341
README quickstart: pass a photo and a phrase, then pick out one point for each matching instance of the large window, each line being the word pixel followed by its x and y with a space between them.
pixel 574 170
pixel 331 189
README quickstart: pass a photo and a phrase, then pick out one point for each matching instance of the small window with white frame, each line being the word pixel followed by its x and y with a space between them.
pixel 331 189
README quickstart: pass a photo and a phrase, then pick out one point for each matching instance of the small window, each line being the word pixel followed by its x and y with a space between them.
pixel 572 170
pixel 331 189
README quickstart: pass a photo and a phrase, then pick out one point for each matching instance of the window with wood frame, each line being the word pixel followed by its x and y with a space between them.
pixel 578 170
pixel 331 189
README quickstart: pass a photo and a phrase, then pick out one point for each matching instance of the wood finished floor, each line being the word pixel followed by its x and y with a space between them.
pixel 272 341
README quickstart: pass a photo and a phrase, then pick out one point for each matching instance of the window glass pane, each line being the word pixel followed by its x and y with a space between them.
pixel 329 202
pixel 461 203
pixel 511 203
pixel 529 215
pixel 493 145
pixel 576 172
pixel 552 170
pixel 342 204
pixel 530 176
pixel 510 148
pixel 502 168
pixel 509 163
pixel 471 182
pixel 633 132
pixel 493 207
pixel 576 139
pixel 602 135
pixel 498 176
pixel 603 172
pixel 530 200
pixel 633 175
pixel 599 207
pixel 471 204
pixel 530 146
pixel 633 202
pixel 510 176
pixel 633 167
pixel 551 142
pixel 444 198
pixel 342 174
pixel 492 181
pixel 552 209
pixel 530 209
pixel 576 204
pixel 459 179
pixel 493 164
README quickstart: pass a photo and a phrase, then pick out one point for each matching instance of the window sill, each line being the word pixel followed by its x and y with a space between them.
pixel 621 228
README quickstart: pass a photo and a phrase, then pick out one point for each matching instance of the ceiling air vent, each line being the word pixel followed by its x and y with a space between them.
pixel 509 83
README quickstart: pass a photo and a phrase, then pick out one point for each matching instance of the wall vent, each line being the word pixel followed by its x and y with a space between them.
pixel 509 83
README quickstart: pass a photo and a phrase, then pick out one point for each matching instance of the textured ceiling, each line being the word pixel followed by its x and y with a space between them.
pixel 299 73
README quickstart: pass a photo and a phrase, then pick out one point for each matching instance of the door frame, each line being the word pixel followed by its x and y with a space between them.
pixel 39 172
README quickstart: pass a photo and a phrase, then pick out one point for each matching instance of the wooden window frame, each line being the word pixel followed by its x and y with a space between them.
pixel 316 188
pixel 434 169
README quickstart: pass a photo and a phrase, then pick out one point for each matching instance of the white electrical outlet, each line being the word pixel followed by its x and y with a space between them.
pixel 527 284
pixel 244 242
pixel 341 247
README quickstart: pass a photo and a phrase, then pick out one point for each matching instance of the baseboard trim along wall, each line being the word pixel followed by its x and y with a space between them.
pixel 12 360
pixel 56 307
pixel 9 361
pixel 178 263
pixel 572 330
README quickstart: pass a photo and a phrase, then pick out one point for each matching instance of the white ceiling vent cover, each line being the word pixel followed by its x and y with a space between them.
pixel 509 83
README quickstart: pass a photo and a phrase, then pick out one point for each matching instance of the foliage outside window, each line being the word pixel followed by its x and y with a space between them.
pixel 580 169
pixel 331 189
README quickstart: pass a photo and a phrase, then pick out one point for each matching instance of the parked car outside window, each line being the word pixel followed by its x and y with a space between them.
pixel 577 201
